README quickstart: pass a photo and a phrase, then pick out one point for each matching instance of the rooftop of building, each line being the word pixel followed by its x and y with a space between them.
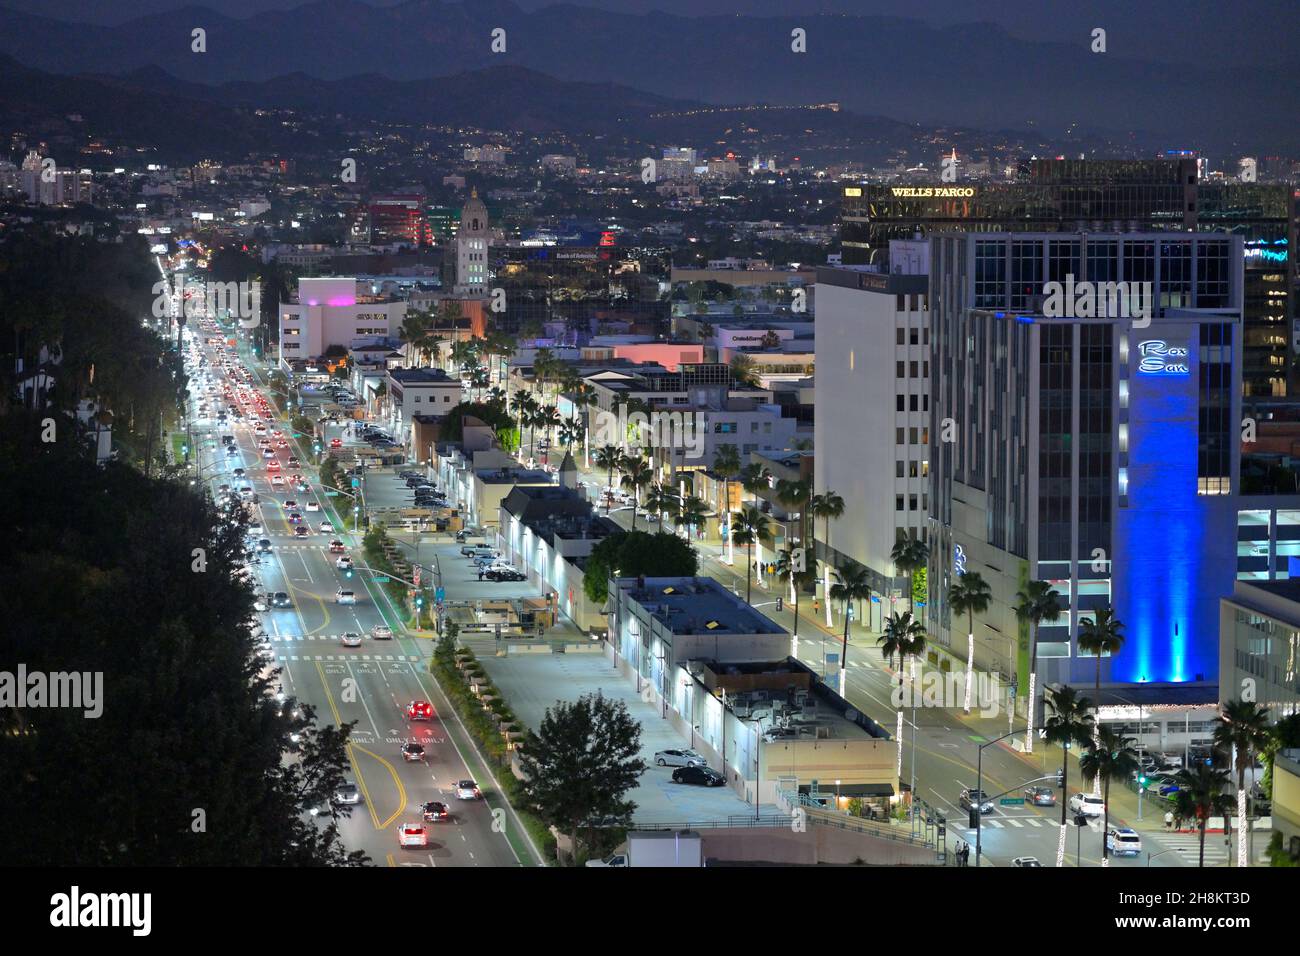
pixel 696 605
pixel 553 512
pixel 421 376
pixel 504 476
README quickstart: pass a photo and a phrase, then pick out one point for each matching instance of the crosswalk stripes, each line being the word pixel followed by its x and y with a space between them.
pixel 999 823
pixel 1187 846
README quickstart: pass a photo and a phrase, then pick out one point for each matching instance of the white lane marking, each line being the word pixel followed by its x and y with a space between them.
pixel 362 697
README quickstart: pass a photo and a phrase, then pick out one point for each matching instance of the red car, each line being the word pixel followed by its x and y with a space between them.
pixel 419 710
pixel 336 442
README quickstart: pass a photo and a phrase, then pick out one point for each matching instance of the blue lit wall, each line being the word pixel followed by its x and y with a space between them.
pixel 1175 552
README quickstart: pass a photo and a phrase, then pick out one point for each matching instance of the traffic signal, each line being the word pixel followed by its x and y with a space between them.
pixel 780 603
pixel 1142 781
pixel 348 572
pixel 974 819
pixel 1060 778
pixel 1080 820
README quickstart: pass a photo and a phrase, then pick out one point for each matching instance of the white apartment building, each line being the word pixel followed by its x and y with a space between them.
pixel 329 312
pixel 873 408
pixel 419 391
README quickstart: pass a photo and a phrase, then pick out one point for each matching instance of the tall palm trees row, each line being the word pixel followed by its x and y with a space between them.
pixel 1241 732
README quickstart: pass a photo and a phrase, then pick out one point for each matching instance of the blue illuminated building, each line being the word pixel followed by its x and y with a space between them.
pixel 1085 431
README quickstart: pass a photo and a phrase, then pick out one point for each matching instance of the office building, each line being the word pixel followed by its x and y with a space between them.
pixel 872 427
pixel 1123 196
pixel 1095 447
pixel 329 313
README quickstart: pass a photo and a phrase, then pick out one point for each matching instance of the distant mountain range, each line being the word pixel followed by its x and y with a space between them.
pixel 151 108
pixel 972 76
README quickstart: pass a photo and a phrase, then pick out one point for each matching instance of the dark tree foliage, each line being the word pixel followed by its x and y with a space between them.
pixel 453 424
pixel 632 553
pixel 190 762
pixel 580 764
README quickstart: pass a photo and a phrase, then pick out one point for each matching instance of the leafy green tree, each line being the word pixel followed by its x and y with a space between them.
pixel 630 554
pixel 580 765
pixel 185 765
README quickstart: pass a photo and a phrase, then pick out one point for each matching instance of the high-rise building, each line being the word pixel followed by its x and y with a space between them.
pixel 1110 196
pixel 872 427
pixel 472 241
pixel 1095 447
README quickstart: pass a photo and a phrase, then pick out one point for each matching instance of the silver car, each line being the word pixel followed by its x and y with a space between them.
pixel 679 758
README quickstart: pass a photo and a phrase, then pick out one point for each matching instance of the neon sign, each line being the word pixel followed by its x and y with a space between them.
pixel 1158 358
pixel 959 559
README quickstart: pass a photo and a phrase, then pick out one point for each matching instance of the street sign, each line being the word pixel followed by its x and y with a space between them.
pixel 440 594
pixel 1012 802
pixel 381 579
pixel 356 482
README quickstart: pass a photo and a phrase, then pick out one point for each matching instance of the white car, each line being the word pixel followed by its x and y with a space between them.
pixel 618 859
pixel 277 480
pixel 351 639
pixel 344 596
pixel 381 632
pixel 326 527
pixel 679 758
pixel 1123 841
pixel 313 506
pixel 1026 861
pixel 412 834
pixel 1087 804
pixel 467 790
pixel 344 563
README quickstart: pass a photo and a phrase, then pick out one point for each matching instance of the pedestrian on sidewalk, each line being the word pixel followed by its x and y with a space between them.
pixel 1169 819
pixel 965 855
pixel 480 574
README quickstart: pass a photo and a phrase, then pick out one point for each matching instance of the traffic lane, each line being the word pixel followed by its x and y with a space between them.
pixel 376 694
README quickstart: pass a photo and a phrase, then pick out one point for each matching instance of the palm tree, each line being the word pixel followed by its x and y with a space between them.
pixel 660 501
pixel 795 495
pixel 1242 730
pixel 754 478
pixel 609 457
pixel 1070 723
pixel 1109 757
pixel 909 555
pixel 1200 796
pixel 413 329
pixel 1038 602
pixel 1100 635
pixel 636 475
pixel 969 595
pixel 827 505
pixel 750 526
pixel 904 636
pixel 852 585
pixel 692 513
pixel 726 465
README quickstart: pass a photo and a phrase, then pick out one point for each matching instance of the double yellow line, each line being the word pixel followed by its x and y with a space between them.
pixel 356 769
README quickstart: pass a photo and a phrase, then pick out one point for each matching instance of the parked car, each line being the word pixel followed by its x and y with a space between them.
pixel 679 758
pixel 507 573
pixel 700 776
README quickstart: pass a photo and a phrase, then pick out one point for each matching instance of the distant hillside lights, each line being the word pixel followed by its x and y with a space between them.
pixel 1090 300
pixel 657 430
pixel 240 300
